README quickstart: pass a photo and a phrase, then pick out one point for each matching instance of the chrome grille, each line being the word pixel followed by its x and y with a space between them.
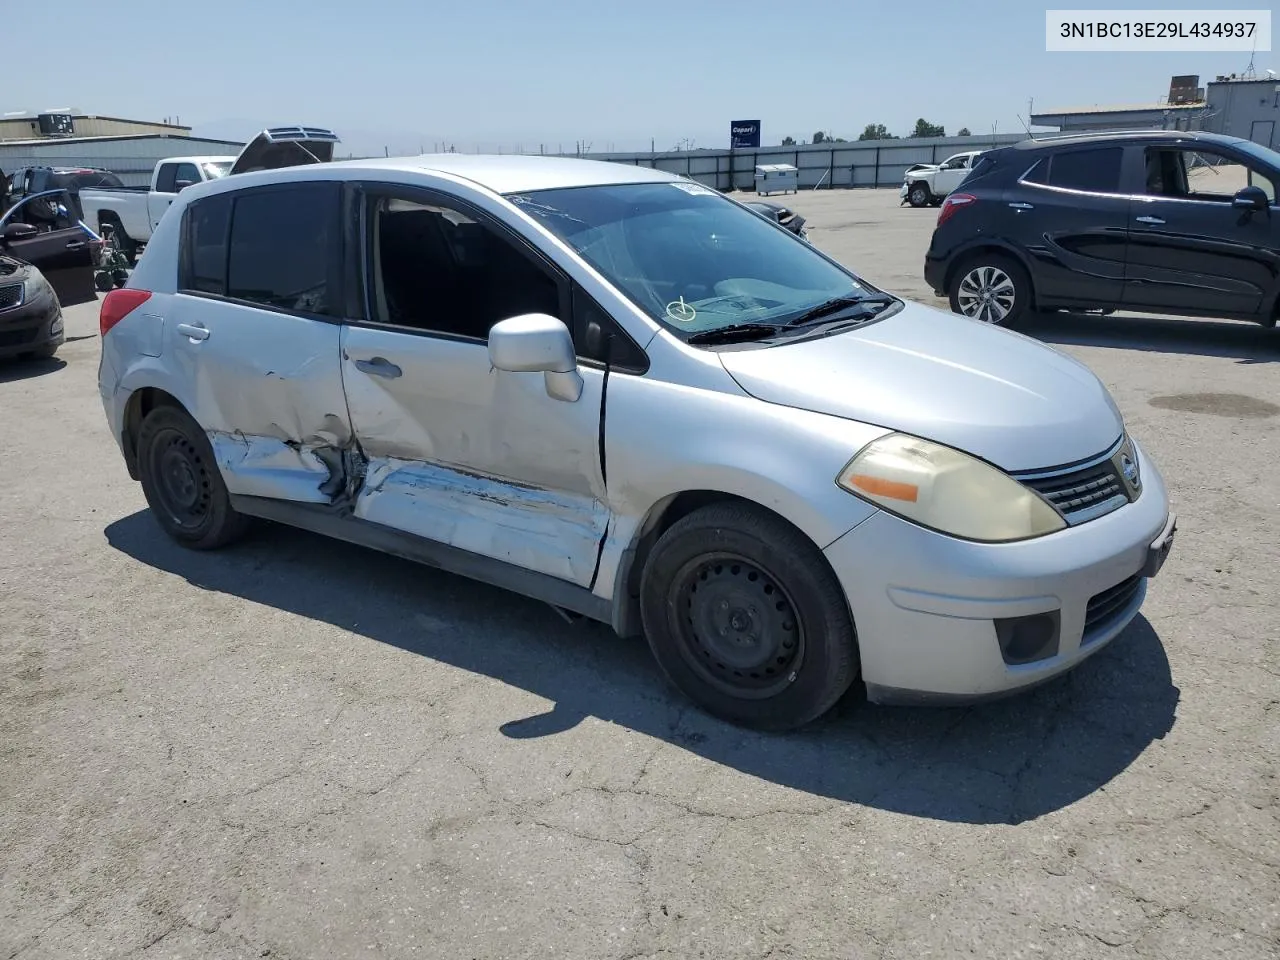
pixel 1082 491
pixel 10 296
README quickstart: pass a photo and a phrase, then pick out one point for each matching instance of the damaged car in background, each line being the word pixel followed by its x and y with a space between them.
pixel 619 392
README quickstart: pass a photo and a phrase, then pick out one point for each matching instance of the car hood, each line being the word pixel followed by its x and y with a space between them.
pixel 1000 395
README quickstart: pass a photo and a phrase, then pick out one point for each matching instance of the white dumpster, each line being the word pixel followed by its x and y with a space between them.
pixel 776 178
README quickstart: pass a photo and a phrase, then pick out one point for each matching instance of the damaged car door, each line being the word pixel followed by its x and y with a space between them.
pixel 255 330
pixel 458 452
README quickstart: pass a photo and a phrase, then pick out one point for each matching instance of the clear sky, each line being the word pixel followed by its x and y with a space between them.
pixel 490 74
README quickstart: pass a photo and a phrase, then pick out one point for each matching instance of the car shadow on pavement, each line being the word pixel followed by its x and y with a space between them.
pixel 12 371
pixel 1247 343
pixel 1003 762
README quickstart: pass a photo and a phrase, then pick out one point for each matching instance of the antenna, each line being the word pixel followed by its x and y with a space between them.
pixel 1249 72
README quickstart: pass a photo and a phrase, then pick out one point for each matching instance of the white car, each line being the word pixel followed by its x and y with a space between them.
pixel 928 184
pixel 631 397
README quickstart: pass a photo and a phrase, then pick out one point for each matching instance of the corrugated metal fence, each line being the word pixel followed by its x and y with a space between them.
pixel 863 163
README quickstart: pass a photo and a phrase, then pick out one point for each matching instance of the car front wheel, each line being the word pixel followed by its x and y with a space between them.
pixel 992 289
pixel 919 195
pixel 746 618
pixel 182 483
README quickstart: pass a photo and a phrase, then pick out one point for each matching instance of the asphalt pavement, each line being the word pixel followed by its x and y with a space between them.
pixel 296 748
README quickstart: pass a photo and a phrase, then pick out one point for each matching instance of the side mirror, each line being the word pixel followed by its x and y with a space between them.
pixel 180 185
pixel 1251 199
pixel 19 231
pixel 538 343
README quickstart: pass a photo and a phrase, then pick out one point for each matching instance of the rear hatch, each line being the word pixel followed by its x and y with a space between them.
pixel 286 147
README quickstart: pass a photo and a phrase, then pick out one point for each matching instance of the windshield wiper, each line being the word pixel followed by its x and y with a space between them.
pixel 735 333
pixel 837 304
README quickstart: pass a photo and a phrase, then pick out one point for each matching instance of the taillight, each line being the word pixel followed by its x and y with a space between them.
pixel 953 203
pixel 118 304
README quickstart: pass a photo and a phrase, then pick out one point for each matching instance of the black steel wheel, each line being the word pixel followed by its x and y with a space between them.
pixel 738 627
pixel 746 618
pixel 181 481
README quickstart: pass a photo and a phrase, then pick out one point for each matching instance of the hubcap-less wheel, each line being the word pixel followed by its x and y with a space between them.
pixel 182 485
pixel 919 196
pixel 738 626
pixel 986 294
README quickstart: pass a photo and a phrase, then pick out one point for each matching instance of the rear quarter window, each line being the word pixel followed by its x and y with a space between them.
pixel 1095 170
pixel 204 246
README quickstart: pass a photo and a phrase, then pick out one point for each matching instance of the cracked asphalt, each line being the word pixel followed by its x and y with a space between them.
pixel 296 748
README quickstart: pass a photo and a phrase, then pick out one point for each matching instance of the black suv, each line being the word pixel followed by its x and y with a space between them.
pixel 1160 221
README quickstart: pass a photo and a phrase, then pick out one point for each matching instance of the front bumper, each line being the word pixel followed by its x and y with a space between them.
pixel 36 325
pixel 932 612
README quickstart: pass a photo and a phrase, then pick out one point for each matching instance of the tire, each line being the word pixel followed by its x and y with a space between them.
pixel 769 643
pixel 919 194
pixel 991 274
pixel 182 484
pixel 103 281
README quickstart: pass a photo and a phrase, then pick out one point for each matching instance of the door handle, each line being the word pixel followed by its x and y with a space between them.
pixel 379 367
pixel 1154 220
pixel 194 331
pixel 1022 206
pixel 77 244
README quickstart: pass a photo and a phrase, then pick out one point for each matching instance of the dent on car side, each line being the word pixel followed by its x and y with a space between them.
pixel 291 440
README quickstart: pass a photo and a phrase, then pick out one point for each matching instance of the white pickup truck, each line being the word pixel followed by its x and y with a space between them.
pixel 134 212
pixel 927 184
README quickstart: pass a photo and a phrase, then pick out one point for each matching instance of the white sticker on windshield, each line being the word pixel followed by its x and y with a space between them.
pixel 681 312
pixel 694 189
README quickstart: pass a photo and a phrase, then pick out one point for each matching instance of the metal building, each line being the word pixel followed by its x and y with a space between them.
pixel 1247 108
pixel 31 125
pixel 1238 106
pixel 132 158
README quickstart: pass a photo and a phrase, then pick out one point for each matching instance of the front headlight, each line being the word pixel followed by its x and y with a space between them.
pixel 947 491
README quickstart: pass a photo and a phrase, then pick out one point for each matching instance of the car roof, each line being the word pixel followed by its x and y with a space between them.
pixel 499 173
pixel 1124 136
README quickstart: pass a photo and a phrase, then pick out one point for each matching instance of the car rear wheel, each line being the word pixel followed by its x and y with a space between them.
pixel 745 617
pixel 182 484
pixel 992 289
pixel 919 195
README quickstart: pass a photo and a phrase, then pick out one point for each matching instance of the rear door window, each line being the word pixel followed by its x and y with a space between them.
pixel 284 248
pixel 165 177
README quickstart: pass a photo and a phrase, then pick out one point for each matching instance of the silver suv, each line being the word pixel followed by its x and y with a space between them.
pixel 619 392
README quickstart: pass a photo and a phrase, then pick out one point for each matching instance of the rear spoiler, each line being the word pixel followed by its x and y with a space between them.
pixel 278 147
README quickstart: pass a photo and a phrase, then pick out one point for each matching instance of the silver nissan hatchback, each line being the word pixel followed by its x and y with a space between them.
pixel 624 394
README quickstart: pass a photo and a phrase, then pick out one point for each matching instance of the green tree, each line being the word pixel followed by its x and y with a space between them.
pixel 876 131
pixel 926 129
pixel 788 141
pixel 963 132
pixel 819 137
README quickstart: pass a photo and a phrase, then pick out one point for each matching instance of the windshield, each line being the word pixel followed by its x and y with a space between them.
pixel 214 169
pixel 690 258
pixel 85 178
